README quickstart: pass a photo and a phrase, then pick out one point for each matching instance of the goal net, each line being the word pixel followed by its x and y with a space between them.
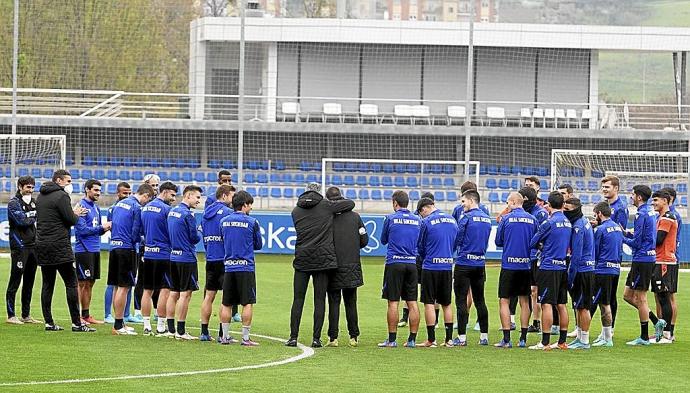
pixel 373 181
pixel 34 155
pixel 585 168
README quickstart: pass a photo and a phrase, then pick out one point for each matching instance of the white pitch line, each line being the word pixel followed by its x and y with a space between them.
pixel 306 352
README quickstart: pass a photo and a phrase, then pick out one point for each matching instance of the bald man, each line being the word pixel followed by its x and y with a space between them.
pixel 514 234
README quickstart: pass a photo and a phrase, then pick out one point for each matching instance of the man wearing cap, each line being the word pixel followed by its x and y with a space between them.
pixel 314 255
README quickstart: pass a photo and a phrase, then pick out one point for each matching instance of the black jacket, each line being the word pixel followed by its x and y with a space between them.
pixel 313 221
pixel 22 217
pixel 54 218
pixel 349 235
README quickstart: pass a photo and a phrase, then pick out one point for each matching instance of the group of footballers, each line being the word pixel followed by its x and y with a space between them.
pixel 550 250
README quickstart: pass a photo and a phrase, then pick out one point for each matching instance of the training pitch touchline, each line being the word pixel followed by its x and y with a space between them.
pixel 306 352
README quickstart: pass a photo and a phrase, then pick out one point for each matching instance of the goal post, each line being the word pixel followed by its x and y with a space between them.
pixel 654 168
pixel 31 151
pixel 410 175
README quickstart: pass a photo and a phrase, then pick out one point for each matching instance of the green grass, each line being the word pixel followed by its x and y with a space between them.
pixel 30 354
pixel 621 73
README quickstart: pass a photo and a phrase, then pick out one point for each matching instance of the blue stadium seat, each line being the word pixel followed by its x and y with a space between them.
pixel 449 169
pixel 504 170
pixel 263 192
pixel 199 177
pixel 597 174
pixel 580 185
pixel 299 178
pixel 543 184
pixel 47 173
pixel 349 180
pixel 361 181
pixel 278 165
pixel 306 166
pixel 412 182
pixel 251 191
pixel 337 166
pixel 337 180
pixel 23 172
pixel 451 196
pixel 504 196
pixel 374 181
pixel 311 178
pixel 387 195
pixel 249 178
pixel 592 185
pixel 436 181
pixel 541 171
pixel 228 164
pixel 276 192
pixel 180 163
pixel 387 168
pixel 99 174
pixel 682 188
pixel 544 196
pixel 399 181
pixel 253 165
pixel 139 176
pixel 124 175
pixel 350 194
pixel 7 186
pixel 156 162
pixel 262 178
pixel 69 160
pixel 289 192
pixel 77 188
pixel 88 161
pixel 448 182
pixel 350 167
pixel 426 181
pixel 214 164
pixel 167 163
pixel 375 167
pixel 211 177
pixel 584 198
pixel 174 176
pixel 492 170
pixel 287 178
pixel 596 198
pixel 35 173
pixel 483 171
pixel 194 163
pixel 363 167
pixel 387 181
pixel 111 174
pixel 414 195
pixel 412 168
pixel 186 176
pixel 515 184
pixel 86 174
pixel 439 196
pixel 577 172
pixel 503 184
pixel 656 187
pixel 684 200
pixel 376 195
pixel 400 168
pixel 515 170
pixel 491 184
pixel 527 171
pixel 111 188
pixel 363 194
pixel 277 178
pixel 435 169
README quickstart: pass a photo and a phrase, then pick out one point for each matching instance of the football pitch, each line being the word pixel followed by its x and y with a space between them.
pixel 29 354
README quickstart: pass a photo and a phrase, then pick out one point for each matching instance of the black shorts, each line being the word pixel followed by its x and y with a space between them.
pixel 437 286
pixel 239 288
pixel 185 276
pixel 582 291
pixel 534 269
pixel 665 279
pixel 513 283
pixel 400 282
pixel 156 274
pixel 552 287
pixel 605 288
pixel 419 271
pixel 215 271
pixel 121 267
pixel 640 276
pixel 88 265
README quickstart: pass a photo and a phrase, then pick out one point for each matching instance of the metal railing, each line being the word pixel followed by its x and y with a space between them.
pixel 120 104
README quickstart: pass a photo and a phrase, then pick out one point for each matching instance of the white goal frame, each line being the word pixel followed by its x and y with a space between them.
pixel 325 161
pixel 13 138
pixel 624 153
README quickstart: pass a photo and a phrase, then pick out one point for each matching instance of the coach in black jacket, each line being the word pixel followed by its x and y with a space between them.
pixel 349 236
pixel 54 218
pixel 314 255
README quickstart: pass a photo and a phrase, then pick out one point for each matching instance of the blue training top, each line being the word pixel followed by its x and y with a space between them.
pixel 514 233
pixel 400 233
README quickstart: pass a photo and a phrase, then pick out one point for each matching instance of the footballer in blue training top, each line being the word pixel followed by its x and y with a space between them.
pixel 241 235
